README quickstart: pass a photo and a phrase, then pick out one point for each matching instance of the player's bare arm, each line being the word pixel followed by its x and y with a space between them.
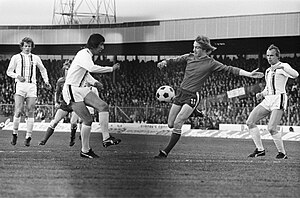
pixel 253 74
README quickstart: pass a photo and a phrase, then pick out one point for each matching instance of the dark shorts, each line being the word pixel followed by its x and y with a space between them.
pixel 187 97
pixel 63 106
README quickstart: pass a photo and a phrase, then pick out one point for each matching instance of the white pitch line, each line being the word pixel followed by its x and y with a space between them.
pixel 25 151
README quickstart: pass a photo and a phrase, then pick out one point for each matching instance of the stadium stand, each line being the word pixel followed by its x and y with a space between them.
pixel 131 93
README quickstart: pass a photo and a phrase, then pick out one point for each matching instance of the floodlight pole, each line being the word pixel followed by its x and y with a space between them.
pixel 84 12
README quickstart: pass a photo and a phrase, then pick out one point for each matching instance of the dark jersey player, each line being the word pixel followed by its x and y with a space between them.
pixel 199 66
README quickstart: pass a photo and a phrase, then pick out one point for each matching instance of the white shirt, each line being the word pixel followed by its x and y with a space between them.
pixel 276 80
pixel 80 69
pixel 25 66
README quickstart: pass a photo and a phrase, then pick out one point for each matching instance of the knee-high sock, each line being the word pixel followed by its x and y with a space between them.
pixel 85 138
pixel 48 134
pixel 103 121
pixel 175 136
pixel 16 123
pixel 73 130
pixel 30 122
pixel 255 134
pixel 278 142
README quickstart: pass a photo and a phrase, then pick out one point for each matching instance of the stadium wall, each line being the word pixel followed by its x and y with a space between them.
pixel 248 26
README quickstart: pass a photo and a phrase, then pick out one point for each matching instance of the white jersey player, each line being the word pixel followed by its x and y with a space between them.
pixel 22 67
pixel 273 104
pixel 79 97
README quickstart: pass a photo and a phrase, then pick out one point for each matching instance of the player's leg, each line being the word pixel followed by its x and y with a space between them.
pixel 102 107
pixel 19 103
pixel 73 121
pixel 275 118
pixel 256 114
pixel 59 115
pixel 103 123
pixel 181 114
pixel 81 110
pixel 30 105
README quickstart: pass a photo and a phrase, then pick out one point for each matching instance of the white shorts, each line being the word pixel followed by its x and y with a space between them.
pixel 272 102
pixel 74 94
pixel 27 90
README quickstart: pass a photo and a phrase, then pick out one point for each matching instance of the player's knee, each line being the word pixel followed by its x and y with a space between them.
pixel 53 124
pixel 250 124
pixel 171 125
pixel 103 107
pixel 87 121
pixel 272 130
pixel 73 125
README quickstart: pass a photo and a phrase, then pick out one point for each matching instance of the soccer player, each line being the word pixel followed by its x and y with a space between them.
pixel 79 97
pixel 22 67
pixel 199 66
pixel 273 104
pixel 62 110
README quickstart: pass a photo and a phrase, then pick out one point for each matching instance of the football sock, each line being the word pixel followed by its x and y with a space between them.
pixel 278 142
pixel 175 136
pixel 16 123
pixel 73 130
pixel 103 122
pixel 255 134
pixel 30 122
pixel 48 134
pixel 85 138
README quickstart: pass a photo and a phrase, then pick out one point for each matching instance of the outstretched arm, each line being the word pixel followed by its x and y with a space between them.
pixel 253 74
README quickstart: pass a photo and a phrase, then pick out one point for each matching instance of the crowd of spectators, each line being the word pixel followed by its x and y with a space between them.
pixel 130 92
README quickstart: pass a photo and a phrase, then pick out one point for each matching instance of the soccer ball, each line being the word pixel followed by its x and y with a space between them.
pixel 165 93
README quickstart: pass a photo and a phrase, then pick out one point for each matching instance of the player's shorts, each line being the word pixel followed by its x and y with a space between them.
pixel 272 102
pixel 65 107
pixel 74 94
pixel 27 90
pixel 187 97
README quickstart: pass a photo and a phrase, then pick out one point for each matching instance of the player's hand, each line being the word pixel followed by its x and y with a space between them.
pixel 162 64
pixel 21 78
pixel 48 86
pixel 57 105
pixel 259 96
pixel 98 85
pixel 256 74
pixel 116 66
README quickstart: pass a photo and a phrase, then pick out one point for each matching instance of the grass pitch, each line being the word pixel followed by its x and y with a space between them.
pixel 197 167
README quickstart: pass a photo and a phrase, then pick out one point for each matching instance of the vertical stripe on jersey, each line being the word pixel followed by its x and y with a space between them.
pixel 31 68
pixel 281 101
pixel 83 78
pixel 273 82
pixel 22 63
pixel 71 93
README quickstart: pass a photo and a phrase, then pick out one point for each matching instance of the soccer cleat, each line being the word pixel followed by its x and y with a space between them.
pixel 43 142
pixel 257 153
pixel 27 141
pixel 72 142
pixel 110 141
pixel 281 156
pixel 89 154
pixel 14 139
pixel 162 154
